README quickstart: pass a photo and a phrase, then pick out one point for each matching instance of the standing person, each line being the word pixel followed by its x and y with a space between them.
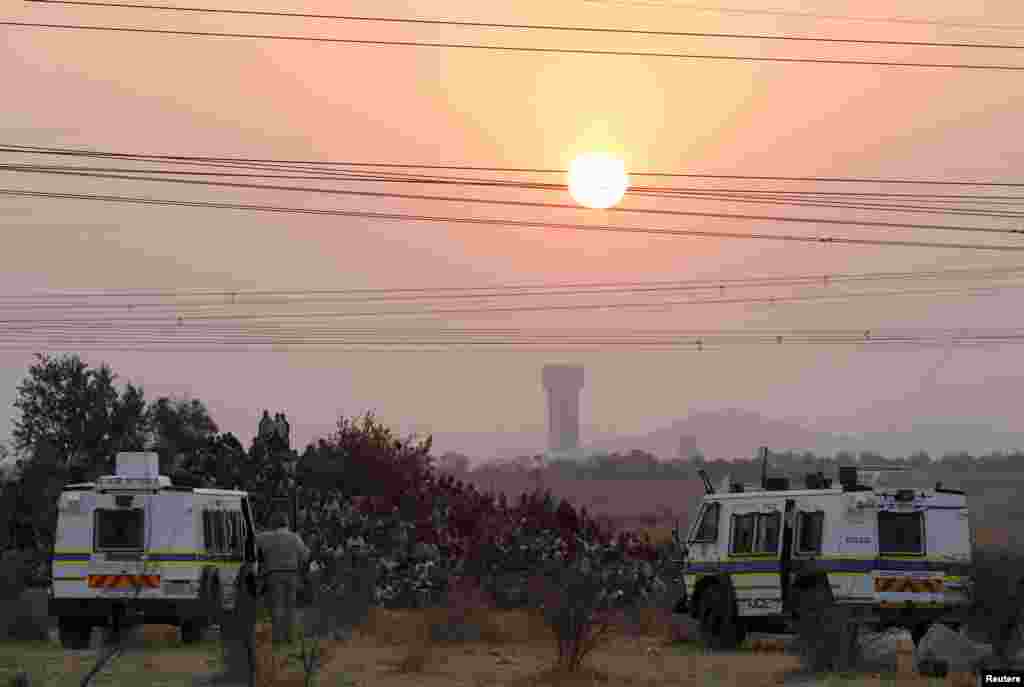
pixel 284 555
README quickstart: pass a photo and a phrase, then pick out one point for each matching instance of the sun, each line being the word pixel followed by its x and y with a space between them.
pixel 597 180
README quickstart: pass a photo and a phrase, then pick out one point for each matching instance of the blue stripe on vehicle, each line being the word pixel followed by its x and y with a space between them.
pixel 168 557
pixel 827 565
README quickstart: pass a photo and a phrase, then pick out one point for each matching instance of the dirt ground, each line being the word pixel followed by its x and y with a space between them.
pixel 391 650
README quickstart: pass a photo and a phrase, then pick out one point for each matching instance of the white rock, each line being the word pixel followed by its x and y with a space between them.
pixel 958 652
pixel 879 650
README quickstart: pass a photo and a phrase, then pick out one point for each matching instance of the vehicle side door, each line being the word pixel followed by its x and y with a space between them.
pixel 808 540
pixel 786 550
pixel 250 531
pixel 705 538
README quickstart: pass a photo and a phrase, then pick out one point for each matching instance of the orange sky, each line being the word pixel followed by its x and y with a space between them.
pixel 311 101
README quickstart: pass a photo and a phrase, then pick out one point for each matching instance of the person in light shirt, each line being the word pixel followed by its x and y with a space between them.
pixel 283 555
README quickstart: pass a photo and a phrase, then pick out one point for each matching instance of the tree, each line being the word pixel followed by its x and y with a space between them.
pixel 30 506
pixel 919 459
pixel 845 458
pixel 959 461
pixel 453 462
pixel 364 458
pixel 79 412
pixel 178 428
pixel 221 461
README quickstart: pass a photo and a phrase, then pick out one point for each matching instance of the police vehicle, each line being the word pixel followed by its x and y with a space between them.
pixel 133 548
pixel 756 559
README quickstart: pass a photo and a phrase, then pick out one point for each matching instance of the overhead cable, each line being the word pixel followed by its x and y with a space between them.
pixel 6 147
pixel 183 317
pixel 526 27
pixel 232 296
pixel 516 49
pixel 521 224
pixel 522 203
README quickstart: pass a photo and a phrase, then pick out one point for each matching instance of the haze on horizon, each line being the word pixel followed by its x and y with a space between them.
pixel 304 101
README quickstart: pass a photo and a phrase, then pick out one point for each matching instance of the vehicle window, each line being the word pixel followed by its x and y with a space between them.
pixel 900 532
pixel 236 534
pixel 220 532
pixel 250 546
pixel 768 532
pixel 207 531
pixel 215 531
pixel 232 537
pixel 743 529
pixel 118 530
pixel 707 531
pixel 809 530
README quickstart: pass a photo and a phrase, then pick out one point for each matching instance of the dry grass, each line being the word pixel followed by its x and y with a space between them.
pixel 394 649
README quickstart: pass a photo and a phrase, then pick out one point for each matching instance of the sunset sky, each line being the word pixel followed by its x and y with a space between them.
pixel 312 101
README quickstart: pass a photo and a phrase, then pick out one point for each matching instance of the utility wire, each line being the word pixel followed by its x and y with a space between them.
pixel 522 203
pixel 526 27
pixel 763 196
pixel 864 200
pixel 797 199
pixel 244 297
pixel 184 318
pixel 6 147
pixel 695 233
pixel 208 349
pixel 518 49
pixel 423 346
pixel 935 203
pixel 812 15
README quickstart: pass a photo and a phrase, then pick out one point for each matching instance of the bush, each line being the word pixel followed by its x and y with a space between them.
pixel 16 571
pixel 24 627
pixel 996 593
pixel 464 618
pixel 583 597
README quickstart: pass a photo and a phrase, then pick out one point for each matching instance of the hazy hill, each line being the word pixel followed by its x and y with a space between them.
pixel 725 434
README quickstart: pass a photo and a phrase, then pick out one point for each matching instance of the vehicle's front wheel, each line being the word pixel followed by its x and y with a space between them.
pixel 74 633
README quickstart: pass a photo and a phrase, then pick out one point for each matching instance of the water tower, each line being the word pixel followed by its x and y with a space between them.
pixel 562 384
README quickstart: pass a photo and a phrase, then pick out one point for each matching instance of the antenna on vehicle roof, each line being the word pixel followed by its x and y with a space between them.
pixel 764 467
pixel 708 487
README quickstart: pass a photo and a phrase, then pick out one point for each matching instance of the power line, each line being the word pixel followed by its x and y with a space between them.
pixel 522 203
pixel 816 15
pixel 519 49
pixel 527 27
pixel 695 233
pixel 864 200
pixel 543 288
pixel 208 349
pixel 6 147
pixel 425 346
pixel 800 199
pixel 183 319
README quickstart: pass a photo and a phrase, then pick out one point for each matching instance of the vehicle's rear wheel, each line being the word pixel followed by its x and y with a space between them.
pixel 74 633
pixel 719 627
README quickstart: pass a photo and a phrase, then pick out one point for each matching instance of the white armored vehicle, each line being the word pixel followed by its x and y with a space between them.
pixel 133 548
pixel 756 559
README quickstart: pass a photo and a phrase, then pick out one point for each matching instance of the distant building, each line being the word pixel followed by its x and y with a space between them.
pixel 563 384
